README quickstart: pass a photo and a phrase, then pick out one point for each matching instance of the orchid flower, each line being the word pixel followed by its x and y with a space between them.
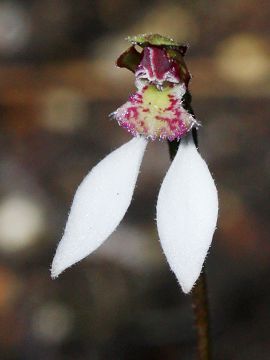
pixel 187 204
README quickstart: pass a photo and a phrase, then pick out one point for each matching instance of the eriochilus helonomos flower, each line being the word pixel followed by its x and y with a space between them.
pixel 187 205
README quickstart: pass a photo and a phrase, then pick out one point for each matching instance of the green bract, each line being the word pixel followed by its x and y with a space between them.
pixel 152 39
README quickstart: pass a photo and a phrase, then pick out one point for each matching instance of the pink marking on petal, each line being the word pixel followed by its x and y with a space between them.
pixel 155 114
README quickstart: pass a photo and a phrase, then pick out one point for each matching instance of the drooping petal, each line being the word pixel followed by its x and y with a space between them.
pixel 187 210
pixel 99 204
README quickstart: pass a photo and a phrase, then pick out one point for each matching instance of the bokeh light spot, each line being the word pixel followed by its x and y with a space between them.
pixel 243 59
pixel 52 322
pixel 22 221
pixel 14 28
pixel 64 110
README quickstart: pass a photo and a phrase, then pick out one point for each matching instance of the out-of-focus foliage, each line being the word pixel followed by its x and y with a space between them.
pixel 58 83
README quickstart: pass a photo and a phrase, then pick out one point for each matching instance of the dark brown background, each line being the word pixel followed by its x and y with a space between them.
pixel 58 83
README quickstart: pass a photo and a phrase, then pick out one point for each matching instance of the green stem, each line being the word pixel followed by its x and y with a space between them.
pixel 199 292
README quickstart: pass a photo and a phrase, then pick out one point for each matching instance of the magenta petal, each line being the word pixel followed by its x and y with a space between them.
pixel 157 67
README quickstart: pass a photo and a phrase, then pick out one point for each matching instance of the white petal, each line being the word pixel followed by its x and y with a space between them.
pixel 187 210
pixel 99 204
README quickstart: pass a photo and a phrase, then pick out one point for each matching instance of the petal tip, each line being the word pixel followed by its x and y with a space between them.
pixel 64 259
pixel 54 274
pixel 187 287
pixel 56 269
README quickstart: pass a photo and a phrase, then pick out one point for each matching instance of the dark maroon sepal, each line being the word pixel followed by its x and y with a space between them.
pixel 177 56
pixel 130 59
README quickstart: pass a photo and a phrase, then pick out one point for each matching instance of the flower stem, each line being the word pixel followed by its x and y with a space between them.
pixel 199 292
pixel 200 309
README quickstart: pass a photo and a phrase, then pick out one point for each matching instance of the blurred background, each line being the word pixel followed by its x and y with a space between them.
pixel 58 83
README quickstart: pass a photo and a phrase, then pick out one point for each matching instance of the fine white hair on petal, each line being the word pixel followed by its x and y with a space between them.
pixel 99 205
pixel 187 210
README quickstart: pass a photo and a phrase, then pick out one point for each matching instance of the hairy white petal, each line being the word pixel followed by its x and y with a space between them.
pixel 99 204
pixel 187 210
